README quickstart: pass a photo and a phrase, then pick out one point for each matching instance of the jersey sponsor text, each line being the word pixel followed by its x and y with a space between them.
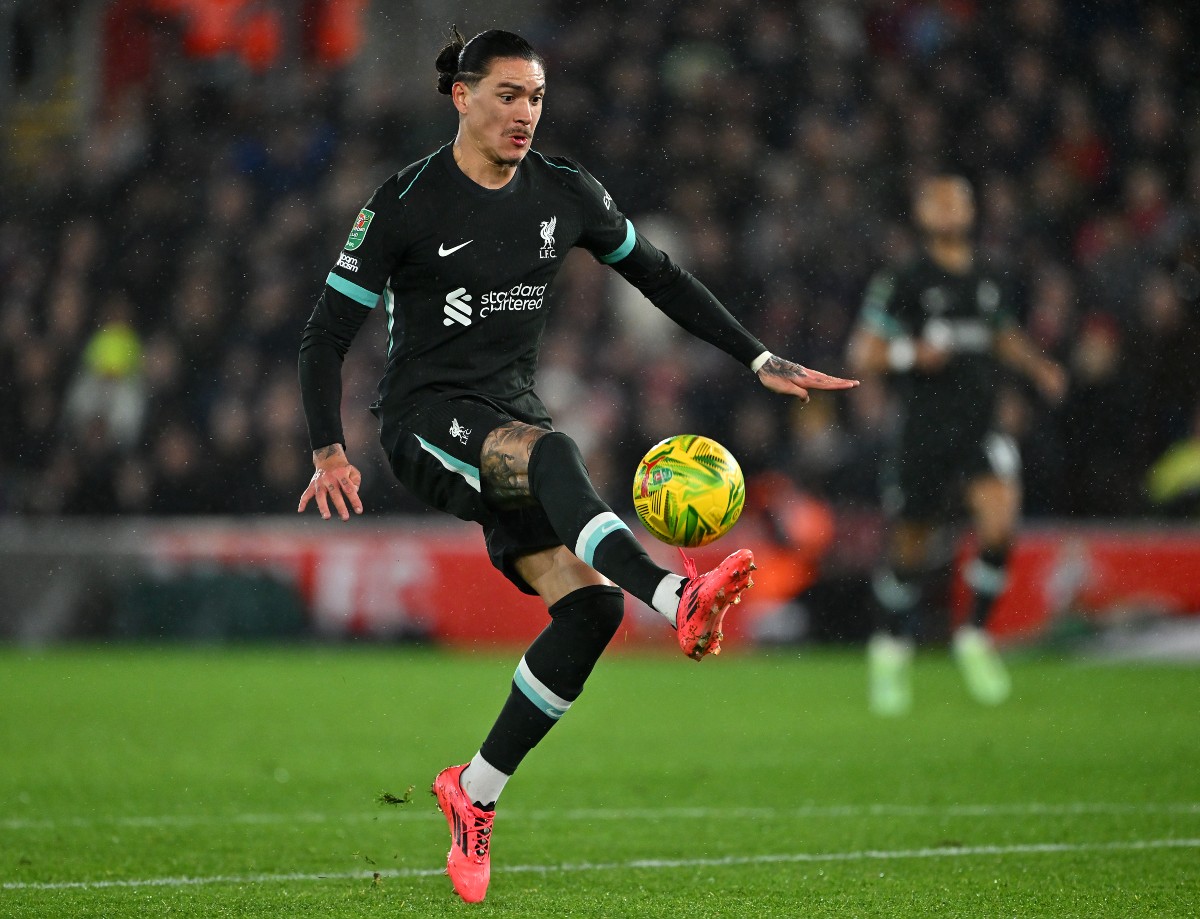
pixel 518 298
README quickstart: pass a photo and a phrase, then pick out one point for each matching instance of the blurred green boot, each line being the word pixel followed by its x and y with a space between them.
pixel 889 673
pixel 982 670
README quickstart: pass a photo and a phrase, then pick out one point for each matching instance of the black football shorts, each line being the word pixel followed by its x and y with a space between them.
pixel 434 453
pixel 925 482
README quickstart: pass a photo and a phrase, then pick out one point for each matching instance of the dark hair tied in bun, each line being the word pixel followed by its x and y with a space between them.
pixel 447 61
pixel 462 61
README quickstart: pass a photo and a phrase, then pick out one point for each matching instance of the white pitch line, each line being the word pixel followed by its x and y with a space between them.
pixel 814 811
pixel 640 864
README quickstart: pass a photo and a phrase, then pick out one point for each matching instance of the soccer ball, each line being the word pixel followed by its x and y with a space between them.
pixel 688 490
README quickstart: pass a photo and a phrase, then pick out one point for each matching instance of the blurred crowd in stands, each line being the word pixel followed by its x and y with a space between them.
pixel 154 278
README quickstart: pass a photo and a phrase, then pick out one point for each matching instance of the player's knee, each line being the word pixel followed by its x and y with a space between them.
pixel 554 450
pixel 609 611
pixel 596 609
pixel 584 623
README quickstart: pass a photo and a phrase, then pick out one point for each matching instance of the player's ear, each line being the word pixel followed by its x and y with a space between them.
pixel 460 93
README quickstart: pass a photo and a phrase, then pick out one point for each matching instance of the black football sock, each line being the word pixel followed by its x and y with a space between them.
pixel 897 593
pixel 586 525
pixel 551 674
pixel 986 575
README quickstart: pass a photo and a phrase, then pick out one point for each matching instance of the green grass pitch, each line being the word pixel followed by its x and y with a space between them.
pixel 244 782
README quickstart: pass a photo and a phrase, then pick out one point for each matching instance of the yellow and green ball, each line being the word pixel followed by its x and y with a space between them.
pixel 688 490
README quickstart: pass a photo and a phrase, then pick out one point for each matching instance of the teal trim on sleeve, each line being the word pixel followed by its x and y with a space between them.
pixel 352 290
pixel 625 248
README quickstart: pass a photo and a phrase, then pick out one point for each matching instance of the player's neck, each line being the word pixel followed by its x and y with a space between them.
pixel 478 168
pixel 952 253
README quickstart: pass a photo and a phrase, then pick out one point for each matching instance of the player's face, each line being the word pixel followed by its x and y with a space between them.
pixel 501 113
pixel 945 207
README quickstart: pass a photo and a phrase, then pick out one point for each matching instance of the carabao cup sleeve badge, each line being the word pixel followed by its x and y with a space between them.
pixel 359 231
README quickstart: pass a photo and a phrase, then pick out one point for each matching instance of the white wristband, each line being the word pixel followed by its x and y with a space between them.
pixel 757 364
pixel 901 354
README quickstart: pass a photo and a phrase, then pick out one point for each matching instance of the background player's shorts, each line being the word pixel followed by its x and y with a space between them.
pixel 926 481
pixel 435 455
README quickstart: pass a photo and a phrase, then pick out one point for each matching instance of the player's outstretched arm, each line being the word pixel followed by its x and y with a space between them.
pixel 692 305
pixel 335 482
pixel 783 376
pixel 1015 349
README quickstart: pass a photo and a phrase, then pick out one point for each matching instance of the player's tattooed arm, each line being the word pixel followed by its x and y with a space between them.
pixel 784 376
pixel 504 463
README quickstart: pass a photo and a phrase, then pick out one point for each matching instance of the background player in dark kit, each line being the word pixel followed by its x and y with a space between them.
pixel 941 327
pixel 460 248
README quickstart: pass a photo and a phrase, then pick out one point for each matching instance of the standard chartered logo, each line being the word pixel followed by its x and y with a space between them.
pixel 456 308
pixel 518 298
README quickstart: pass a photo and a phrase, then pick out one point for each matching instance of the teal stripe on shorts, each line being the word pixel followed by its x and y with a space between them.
pixel 466 470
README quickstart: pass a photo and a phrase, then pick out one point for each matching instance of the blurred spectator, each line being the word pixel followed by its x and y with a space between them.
pixel 1100 470
pixel 110 387
pixel 1165 347
pixel 180 466
pixel 1174 480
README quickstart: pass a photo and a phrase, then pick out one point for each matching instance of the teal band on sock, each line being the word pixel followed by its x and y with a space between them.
pixel 550 703
pixel 594 531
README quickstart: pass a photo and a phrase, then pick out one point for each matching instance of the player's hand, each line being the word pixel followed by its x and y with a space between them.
pixel 335 482
pixel 791 379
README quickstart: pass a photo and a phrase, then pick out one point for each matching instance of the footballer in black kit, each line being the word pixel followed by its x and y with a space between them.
pixel 459 249
pixel 940 329
pixel 462 272
pixel 946 437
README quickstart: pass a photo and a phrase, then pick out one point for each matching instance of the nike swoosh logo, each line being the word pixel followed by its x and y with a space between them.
pixel 443 251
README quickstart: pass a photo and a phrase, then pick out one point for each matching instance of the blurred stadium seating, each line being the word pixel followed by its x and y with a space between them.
pixel 175 189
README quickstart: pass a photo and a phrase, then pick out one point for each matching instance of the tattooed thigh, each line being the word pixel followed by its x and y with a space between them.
pixel 504 463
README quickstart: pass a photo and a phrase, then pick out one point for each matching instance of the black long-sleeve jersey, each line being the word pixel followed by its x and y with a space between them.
pixel 463 271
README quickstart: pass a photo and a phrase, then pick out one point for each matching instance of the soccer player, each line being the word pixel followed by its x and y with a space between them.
pixel 460 247
pixel 941 327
